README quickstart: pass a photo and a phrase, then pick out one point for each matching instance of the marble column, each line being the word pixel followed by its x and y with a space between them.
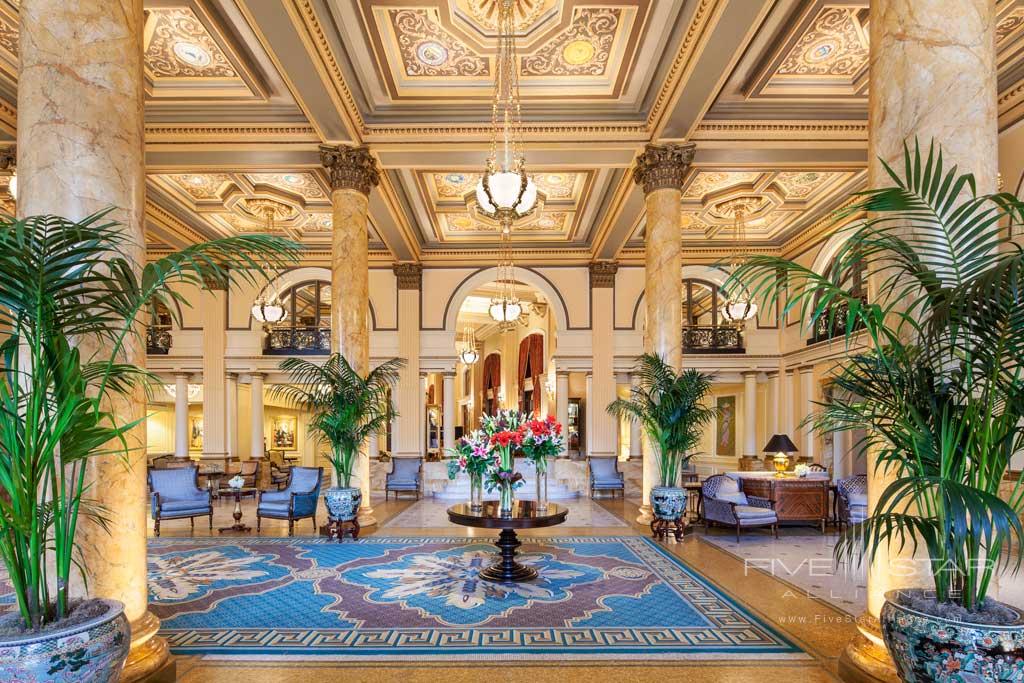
pixel 213 302
pixel 181 414
pixel 353 173
pixel 448 410
pixel 258 448
pixel 635 429
pixel 932 76
pixel 603 428
pixel 421 414
pixel 588 427
pixel 750 460
pixel 660 170
pixel 807 398
pixel 231 414
pixel 787 425
pixel 773 403
pixel 80 150
pixel 562 404
pixel 407 436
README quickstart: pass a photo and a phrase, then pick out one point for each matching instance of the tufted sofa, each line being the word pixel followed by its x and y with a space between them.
pixel 726 504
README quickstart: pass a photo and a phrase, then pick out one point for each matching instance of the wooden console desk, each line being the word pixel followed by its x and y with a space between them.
pixel 795 499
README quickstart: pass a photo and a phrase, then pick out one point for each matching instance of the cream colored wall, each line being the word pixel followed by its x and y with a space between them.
pixel 160 429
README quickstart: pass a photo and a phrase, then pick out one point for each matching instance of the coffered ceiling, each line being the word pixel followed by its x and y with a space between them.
pixel 240 93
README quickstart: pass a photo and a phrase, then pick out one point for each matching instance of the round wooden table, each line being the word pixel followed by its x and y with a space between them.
pixel 524 516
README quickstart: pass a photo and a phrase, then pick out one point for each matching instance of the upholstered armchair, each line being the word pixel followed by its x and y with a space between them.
pixel 853 499
pixel 297 500
pixel 404 477
pixel 176 495
pixel 605 476
pixel 726 504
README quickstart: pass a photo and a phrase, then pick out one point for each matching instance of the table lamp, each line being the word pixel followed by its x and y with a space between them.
pixel 781 446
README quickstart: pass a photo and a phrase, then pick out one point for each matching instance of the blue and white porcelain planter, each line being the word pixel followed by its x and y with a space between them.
pixel 668 502
pixel 93 650
pixel 343 503
pixel 930 649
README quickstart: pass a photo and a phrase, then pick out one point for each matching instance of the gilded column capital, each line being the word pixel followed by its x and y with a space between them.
pixel 410 275
pixel 350 168
pixel 602 273
pixel 663 166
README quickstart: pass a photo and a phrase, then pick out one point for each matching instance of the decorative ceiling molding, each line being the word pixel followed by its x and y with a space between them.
pixel 771 131
pixel 221 133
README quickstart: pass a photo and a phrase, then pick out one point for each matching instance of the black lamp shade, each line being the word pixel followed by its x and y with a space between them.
pixel 780 443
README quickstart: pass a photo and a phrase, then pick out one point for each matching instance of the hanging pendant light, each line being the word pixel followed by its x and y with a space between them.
pixel 738 309
pixel 506 309
pixel 505 192
pixel 268 312
pixel 467 350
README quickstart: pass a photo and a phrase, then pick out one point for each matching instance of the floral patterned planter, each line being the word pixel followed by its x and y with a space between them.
pixel 343 503
pixel 94 650
pixel 668 502
pixel 930 649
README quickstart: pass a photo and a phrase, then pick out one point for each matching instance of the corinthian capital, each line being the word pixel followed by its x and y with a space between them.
pixel 663 166
pixel 350 168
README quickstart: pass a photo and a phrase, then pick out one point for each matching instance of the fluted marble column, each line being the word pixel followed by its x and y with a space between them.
pixel 562 405
pixel 660 169
pixel 353 173
pixel 603 428
pixel 635 429
pixel 750 460
pixel 213 301
pixel 807 397
pixel 448 416
pixel 80 150
pixel 407 437
pixel 181 415
pixel 258 447
pixel 231 414
pixel 773 403
pixel 932 76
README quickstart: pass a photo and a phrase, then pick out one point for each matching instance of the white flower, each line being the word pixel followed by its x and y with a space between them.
pixel 802 470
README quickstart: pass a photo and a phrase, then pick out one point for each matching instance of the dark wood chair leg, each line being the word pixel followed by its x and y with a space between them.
pixel 211 519
pixel 737 532
pixel 192 523
pixel 291 527
pixel 775 529
pixel 156 527
pixel 314 523
pixel 259 521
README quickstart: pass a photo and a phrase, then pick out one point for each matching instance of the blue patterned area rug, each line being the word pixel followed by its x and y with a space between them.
pixel 419 598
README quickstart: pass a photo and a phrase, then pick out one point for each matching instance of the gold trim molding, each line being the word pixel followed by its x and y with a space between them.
pixel 661 167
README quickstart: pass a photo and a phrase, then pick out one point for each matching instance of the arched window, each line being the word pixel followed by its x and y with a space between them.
pixel 831 326
pixel 306 328
pixel 704 329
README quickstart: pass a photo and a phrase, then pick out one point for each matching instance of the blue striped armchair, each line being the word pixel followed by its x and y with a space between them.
pixel 404 477
pixel 853 499
pixel 298 500
pixel 726 504
pixel 176 495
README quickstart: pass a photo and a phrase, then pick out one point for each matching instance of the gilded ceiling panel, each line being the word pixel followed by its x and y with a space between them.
pixel 835 45
pixel 180 46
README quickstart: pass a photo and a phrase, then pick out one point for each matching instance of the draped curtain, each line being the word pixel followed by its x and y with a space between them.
pixel 537 366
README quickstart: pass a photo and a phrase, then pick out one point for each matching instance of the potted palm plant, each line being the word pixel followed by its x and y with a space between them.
pixel 670 407
pixel 70 295
pixel 345 409
pixel 934 375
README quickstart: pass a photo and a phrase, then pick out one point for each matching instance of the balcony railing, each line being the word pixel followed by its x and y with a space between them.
pixel 712 339
pixel 158 339
pixel 286 341
pixel 832 324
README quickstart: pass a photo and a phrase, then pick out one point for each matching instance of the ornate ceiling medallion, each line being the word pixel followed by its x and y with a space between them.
pixel 487 13
pixel 192 54
pixel 180 46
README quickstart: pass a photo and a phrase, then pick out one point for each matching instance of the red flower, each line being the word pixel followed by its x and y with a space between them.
pixel 504 438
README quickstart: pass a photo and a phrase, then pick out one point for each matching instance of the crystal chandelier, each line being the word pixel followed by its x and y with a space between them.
pixel 738 309
pixel 467 349
pixel 505 193
pixel 506 309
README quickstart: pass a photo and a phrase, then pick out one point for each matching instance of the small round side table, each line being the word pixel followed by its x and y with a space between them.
pixel 237 513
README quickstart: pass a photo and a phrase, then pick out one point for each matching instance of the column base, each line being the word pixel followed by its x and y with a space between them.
pixel 148 656
pixel 366 517
pixel 646 515
pixel 865 659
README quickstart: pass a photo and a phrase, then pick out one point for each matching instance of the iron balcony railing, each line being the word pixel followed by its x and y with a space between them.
pixel 284 341
pixel 712 339
pixel 832 323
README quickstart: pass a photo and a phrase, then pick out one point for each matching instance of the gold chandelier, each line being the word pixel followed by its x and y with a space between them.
pixel 739 308
pixel 506 309
pixel 505 192
pixel 467 349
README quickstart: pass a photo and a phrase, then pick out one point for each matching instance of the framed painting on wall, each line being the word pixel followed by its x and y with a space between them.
pixel 195 433
pixel 725 426
pixel 283 432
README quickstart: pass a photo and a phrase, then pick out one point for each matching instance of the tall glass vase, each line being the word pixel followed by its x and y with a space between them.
pixel 506 473
pixel 476 492
pixel 505 499
pixel 542 485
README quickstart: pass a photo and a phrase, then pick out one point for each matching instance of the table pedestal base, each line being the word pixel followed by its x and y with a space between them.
pixel 237 514
pixel 507 570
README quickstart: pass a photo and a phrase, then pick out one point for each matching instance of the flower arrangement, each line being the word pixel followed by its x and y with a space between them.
pixel 540 440
pixel 237 481
pixel 801 470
